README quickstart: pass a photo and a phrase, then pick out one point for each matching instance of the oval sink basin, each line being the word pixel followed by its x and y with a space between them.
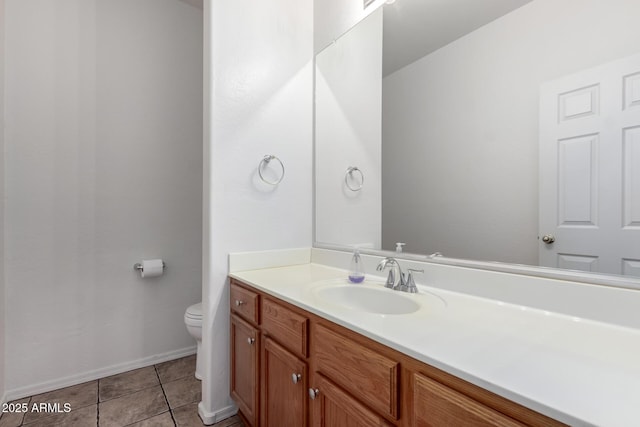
pixel 370 300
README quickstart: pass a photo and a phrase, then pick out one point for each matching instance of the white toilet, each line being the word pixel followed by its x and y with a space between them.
pixel 193 320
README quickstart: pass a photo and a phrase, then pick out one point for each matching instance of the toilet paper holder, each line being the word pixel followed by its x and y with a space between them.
pixel 138 266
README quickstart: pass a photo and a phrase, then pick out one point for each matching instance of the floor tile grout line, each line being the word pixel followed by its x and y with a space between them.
pixel 50 415
pixel 128 393
pixel 2 414
pixel 155 367
pixel 161 383
pixel 25 414
pixel 146 419
pixel 98 405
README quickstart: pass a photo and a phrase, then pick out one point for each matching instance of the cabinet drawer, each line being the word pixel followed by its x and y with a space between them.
pixel 435 404
pixel 369 376
pixel 285 326
pixel 245 303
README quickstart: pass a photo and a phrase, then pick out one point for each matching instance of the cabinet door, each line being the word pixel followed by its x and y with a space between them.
pixel 284 383
pixel 437 405
pixel 334 407
pixel 244 367
pixel 363 372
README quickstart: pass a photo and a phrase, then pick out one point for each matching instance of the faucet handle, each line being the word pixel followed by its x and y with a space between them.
pixel 391 279
pixel 410 280
pixel 411 284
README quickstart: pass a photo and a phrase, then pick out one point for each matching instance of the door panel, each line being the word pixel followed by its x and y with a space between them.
pixel 590 169
pixel 365 373
pixel 244 367
pixel 632 91
pixel 631 177
pixel 578 262
pixel 437 405
pixel 334 407
pixel 577 181
pixel 285 398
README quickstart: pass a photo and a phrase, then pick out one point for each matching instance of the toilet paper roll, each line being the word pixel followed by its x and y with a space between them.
pixel 152 268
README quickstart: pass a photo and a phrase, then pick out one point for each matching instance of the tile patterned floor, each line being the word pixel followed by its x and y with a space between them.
pixel 163 395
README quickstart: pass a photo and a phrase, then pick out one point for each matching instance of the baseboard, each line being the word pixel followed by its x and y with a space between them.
pixel 46 386
pixel 209 418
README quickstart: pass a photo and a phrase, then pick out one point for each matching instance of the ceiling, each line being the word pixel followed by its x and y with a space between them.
pixel 415 28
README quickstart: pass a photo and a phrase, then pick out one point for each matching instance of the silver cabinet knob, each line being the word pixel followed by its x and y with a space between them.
pixel 548 239
pixel 295 378
pixel 251 340
pixel 313 393
pixel 239 303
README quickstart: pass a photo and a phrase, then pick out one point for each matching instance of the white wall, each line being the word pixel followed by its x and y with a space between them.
pixel 103 169
pixel 466 118
pixel 348 89
pixel 332 18
pixel 259 102
pixel 2 290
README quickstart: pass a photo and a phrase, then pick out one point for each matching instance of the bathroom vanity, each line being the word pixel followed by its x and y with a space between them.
pixel 291 367
pixel 309 348
pixel 472 347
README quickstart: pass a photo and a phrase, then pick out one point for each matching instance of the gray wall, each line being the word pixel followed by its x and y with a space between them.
pixel 103 169
pixel 460 129
pixel 2 166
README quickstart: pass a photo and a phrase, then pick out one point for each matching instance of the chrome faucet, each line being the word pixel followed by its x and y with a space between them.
pixel 393 280
pixel 401 284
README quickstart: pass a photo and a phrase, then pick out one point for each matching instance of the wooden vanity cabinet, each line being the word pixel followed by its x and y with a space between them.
pixel 245 351
pixel 436 405
pixel 284 368
pixel 285 326
pixel 316 373
pixel 359 370
pixel 245 344
pixel 334 407
pixel 284 387
pixel 245 303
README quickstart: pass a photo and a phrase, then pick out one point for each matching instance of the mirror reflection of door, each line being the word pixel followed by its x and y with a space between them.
pixel 590 170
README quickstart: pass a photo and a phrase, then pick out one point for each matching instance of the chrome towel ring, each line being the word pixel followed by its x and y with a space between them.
pixel 264 163
pixel 348 176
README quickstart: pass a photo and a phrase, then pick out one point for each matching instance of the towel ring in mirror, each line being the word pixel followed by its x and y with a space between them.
pixel 348 176
pixel 264 163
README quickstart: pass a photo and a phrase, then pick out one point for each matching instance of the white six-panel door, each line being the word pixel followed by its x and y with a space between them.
pixel 590 169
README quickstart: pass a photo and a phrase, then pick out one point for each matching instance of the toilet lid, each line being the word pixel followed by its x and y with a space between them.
pixel 194 311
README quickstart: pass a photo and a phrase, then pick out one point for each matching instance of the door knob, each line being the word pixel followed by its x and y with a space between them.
pixel 295 378
pixel 313 393
pixel 251 340
pixel 548 239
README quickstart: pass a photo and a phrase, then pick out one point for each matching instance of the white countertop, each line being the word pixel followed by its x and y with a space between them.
pixel 577 371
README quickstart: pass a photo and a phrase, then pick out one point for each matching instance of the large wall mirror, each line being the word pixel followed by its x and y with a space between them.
pixel 489 130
